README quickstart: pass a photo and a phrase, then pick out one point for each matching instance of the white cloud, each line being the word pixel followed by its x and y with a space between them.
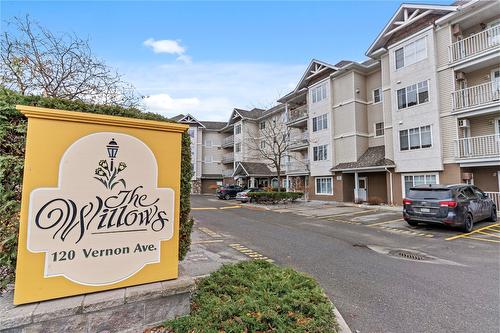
pixel 210 90
pixel 185 59
pixel 165 46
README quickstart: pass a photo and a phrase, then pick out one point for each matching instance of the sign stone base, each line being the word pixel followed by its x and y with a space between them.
pixel 130 309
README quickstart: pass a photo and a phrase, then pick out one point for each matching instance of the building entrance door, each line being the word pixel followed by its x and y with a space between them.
pixel 362 188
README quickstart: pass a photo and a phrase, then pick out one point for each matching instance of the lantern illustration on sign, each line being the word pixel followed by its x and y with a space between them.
pixel 112 148
pixel 107 174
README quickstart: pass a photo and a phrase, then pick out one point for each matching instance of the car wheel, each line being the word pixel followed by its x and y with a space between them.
pixel 412 223
pixel 493 216
pixel 227 197
pixel 468 223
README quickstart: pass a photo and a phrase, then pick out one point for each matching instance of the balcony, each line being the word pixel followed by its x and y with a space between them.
pixel 298 167
pixel 479 43
pixel 227 173
pixel 299 143
pixel 476 96
pixel 486 147
pixel 228 158
pixel 228 142
pixel 298 116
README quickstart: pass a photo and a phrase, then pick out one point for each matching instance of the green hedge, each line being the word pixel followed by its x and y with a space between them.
pixel 12 142
pixel 256 296
pixel 274 197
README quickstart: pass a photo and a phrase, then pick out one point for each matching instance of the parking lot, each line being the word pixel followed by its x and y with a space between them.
pixel 354 253
pixel 387 220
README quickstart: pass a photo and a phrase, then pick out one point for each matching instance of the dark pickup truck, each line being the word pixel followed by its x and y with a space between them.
pixel 229 191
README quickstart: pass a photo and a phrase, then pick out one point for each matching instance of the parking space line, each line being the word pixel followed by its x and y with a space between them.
pixel 230 207
pixel 486 233
pixel 385 222
pixel 483 239
pixel 352 213
pixel 472 232
pixel 208 241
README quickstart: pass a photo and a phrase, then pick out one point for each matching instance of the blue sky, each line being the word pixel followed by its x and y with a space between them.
pixel 213 56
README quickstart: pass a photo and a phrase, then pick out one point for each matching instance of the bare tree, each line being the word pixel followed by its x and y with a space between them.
pixel 271 142
pixel 35 61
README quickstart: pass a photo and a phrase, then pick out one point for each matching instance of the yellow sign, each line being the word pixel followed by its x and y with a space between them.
pixel 100 206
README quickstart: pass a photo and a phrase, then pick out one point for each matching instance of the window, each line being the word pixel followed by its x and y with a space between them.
pixel 418 179
pixel 320 122
pixel 262 144
pixel 208 143
pixel 320 153
pixel 208 159
pixel 318 93
pixel 413 95
pixel 324 185
pixel 399 55
pixel 379 129
pixel 415 138
pixel 262 125
pixel 411 53
pixel 377 95
pixel 237 129
pixel 237 147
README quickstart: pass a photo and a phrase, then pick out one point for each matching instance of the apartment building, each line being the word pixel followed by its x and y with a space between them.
pixel 206 153
pixel 424 108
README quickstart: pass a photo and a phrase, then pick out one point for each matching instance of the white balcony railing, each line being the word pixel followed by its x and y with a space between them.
pixel 478 147
pixel 475 44
pixel 227 173
pixel 298 166
pixel 228 141
pixel 228 158
pixel 481 94
pixel 299 140
pixel 297 113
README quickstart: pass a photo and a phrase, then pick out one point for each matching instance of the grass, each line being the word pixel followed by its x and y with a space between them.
pixel 257 296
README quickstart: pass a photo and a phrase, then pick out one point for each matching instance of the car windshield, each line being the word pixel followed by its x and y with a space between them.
pixel 430 194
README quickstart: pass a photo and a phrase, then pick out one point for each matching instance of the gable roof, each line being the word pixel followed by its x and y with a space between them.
pixel 315 68
pixel 187 119
pixel 214 125
pixel 253 169
pixel 406 15
pixel 374 157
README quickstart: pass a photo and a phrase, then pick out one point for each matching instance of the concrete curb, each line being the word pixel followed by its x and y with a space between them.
pixel 343 327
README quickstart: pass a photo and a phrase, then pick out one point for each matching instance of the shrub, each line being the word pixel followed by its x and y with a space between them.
pixel 12 142
pixel 274 197
pixel 256 296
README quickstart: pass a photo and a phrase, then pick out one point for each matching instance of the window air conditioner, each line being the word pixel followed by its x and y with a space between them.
pixel 463 123
pixel 460 76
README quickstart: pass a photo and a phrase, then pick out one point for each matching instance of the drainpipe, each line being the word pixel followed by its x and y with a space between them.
pixel 390 185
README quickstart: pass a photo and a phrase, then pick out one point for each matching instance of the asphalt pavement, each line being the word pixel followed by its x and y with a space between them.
pixel 382 275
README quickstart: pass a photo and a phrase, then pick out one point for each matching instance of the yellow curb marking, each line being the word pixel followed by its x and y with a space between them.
pixel 472 232
pixel 250 253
